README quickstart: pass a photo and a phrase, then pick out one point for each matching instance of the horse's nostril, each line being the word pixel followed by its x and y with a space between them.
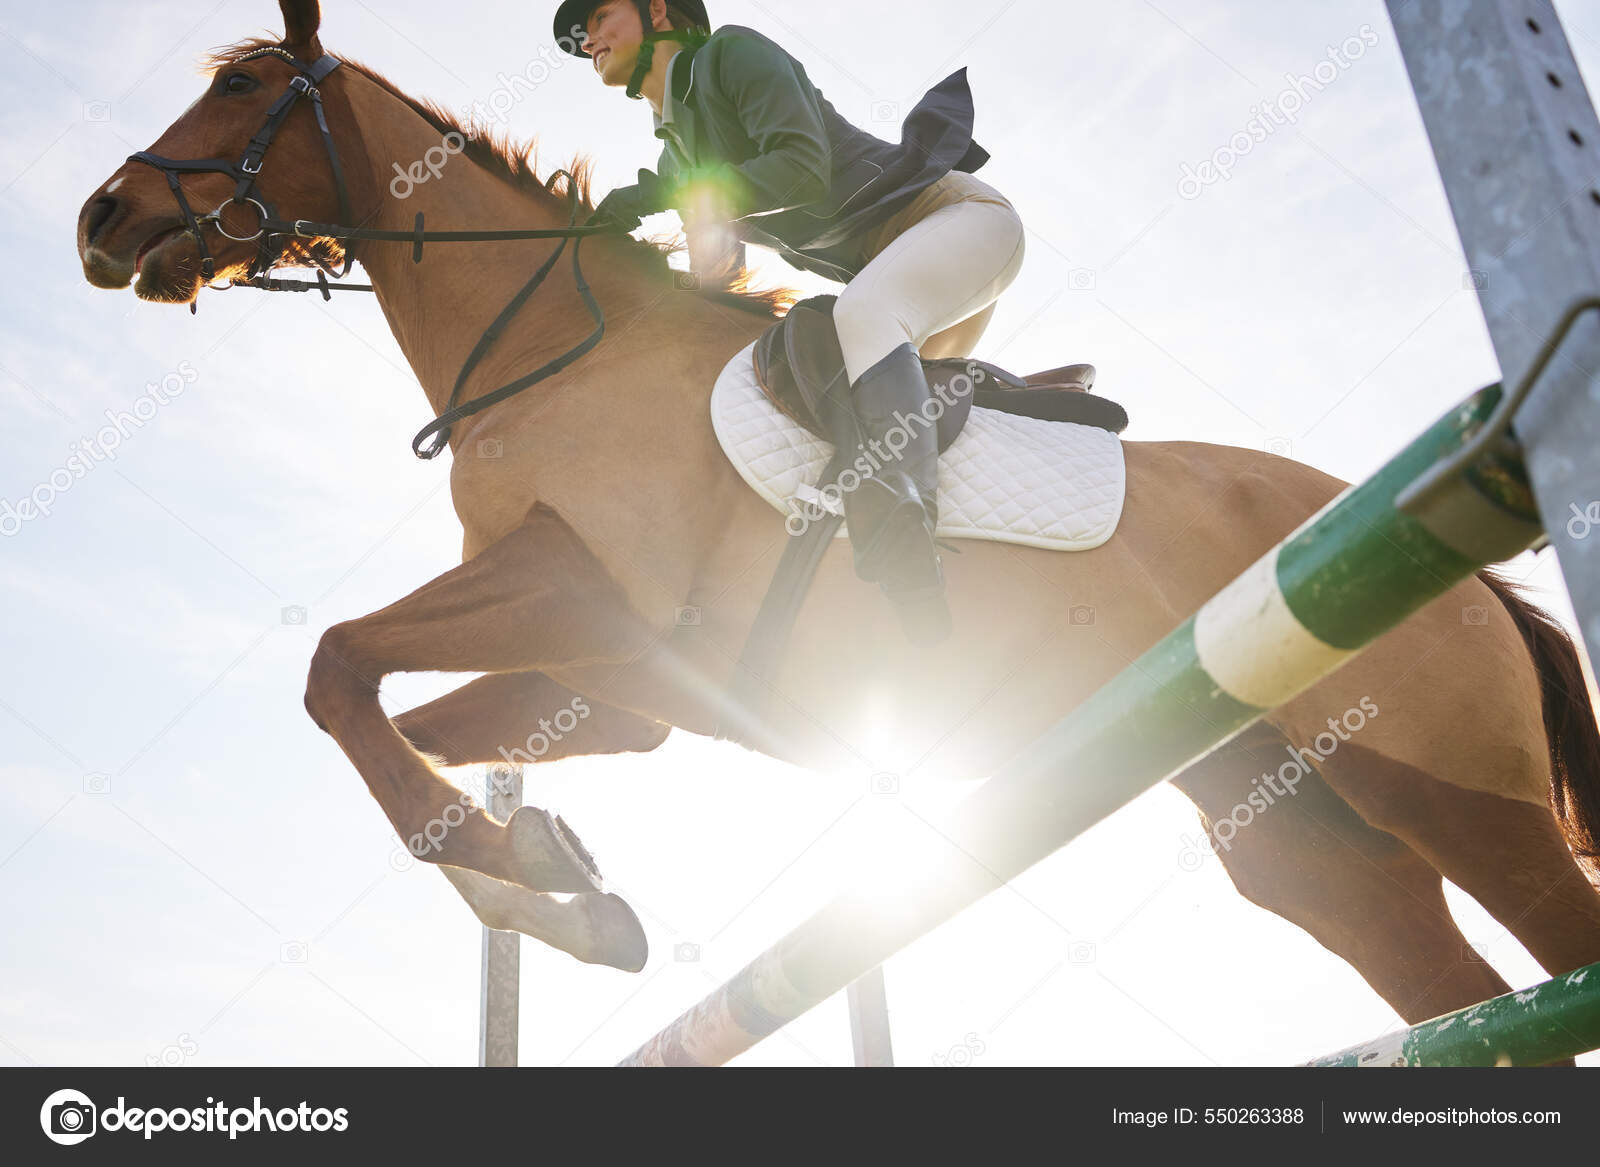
pixel 99 215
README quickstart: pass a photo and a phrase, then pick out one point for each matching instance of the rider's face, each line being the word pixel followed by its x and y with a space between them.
pixel 612 38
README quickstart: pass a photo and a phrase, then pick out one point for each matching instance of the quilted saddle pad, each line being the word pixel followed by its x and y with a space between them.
pixel 1051 484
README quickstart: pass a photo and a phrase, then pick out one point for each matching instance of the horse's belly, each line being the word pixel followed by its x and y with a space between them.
pixel 1032 638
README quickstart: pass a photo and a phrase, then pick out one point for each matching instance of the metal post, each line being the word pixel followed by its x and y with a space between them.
pixel 869 1020
pixel 1518 146
pixel 499 988
pixel 1350 573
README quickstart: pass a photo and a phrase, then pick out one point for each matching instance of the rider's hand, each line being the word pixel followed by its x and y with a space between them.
pixel 705 194
pixel 716 252
pixel 618 209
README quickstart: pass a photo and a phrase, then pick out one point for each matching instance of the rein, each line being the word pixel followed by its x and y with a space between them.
pixel 270 231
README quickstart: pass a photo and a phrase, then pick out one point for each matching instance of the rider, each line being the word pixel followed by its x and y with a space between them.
pixel 923 247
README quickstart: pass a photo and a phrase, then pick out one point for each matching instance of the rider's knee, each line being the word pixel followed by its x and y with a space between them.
pixel 868 329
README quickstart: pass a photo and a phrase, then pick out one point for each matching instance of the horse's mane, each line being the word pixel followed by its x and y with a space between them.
pixel 516 162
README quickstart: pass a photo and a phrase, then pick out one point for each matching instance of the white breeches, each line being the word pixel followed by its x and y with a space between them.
pixel 935 270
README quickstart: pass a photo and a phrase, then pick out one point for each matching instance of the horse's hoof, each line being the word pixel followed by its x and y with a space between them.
pixel 618 937
pixel 549 855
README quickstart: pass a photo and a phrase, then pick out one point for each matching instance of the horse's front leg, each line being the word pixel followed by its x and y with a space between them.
pixel 506 717
pixel 536 599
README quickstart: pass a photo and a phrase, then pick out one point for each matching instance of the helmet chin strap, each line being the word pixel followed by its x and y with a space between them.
pixel 641 68
pixel 647 47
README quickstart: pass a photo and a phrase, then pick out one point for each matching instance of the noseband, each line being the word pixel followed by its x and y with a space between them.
pixel 244 173
pixel 270 231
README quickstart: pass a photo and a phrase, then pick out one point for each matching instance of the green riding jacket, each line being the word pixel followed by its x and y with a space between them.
pixel 739 111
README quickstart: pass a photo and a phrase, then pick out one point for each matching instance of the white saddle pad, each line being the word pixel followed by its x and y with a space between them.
pixel 1057 485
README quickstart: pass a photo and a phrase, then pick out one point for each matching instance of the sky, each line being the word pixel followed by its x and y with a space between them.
pixel 192 873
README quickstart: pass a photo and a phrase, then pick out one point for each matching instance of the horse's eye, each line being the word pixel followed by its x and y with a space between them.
pixel 238 83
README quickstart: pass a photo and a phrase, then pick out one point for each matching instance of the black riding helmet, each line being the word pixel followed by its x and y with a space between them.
pixel 572 18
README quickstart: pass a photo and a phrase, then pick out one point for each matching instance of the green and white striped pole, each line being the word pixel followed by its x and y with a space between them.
pixel 1533 1027
pixel 1351 572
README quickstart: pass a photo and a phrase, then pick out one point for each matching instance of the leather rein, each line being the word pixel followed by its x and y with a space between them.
pixel 271 231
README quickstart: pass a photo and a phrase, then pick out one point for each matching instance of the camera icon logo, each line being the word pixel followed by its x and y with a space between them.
pixel 686 281
pixel 97 111
pixel 1279 447
pixel 97 783
pixel 686 953
pixel 1475 615
pixel 1081 279
pixel 68 1117
pixel 293 952
pixel 294 614
pixel 885 111
pixel 491 448
pixel 1474 281
pixel 1081 615
pixel 1471 954
pixel 885 782
pixel 1193 855
pixel 1080 952
pixel 400 859
pixel 688 617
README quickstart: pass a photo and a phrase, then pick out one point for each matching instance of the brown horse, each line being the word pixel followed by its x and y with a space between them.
pixel 597 506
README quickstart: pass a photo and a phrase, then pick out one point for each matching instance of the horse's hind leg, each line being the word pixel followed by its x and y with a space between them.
pixel 1507 854
pixel 1360 892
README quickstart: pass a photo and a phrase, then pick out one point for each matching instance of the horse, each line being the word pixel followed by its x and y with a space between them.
pixel 613 562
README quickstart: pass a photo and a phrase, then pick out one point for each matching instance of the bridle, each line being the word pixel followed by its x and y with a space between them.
pixel 271 231
pixel 248 168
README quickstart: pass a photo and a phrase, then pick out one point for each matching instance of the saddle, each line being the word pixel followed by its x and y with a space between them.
pixel 800 368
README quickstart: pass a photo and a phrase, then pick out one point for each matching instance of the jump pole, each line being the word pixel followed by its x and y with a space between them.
pixel 1350 573
pixel 1557 1019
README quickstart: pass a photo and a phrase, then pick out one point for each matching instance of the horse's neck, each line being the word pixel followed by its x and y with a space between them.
pixel 439 308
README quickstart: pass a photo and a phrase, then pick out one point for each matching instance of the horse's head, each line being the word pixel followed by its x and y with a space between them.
pixel 134 227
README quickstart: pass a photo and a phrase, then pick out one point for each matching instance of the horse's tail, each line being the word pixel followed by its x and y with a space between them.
pixel 1569 723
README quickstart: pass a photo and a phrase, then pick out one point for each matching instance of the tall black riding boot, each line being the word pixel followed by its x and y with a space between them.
pixel 894 511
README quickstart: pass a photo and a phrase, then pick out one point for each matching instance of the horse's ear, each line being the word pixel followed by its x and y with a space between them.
pixel 301 19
